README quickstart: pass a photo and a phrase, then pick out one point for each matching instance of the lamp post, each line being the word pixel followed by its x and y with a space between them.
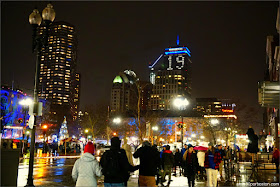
pixel 38 41
pixel 118 120
pixel 154 128
pixel 181 103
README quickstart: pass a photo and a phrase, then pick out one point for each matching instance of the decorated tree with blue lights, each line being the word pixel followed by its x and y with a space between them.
pixel 63 131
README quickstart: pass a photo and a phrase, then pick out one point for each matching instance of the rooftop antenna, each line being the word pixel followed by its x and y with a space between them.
pixel 177 39
pixel 13 81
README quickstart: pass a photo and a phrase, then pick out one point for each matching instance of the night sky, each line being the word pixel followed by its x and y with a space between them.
pixel 227 41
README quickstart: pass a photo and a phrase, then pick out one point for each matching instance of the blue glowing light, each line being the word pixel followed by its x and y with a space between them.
pixel 156 61
pixel 178 40
pixel 177 52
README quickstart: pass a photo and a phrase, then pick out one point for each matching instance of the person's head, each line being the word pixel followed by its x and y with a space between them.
pixel 89 148
pixel 168 147
pixel 210 145
pixel 146 144
pixel 177 150
pixel 115 142
pixel 186 146
pixel 164 147
pixel 220 146
pixel 190 148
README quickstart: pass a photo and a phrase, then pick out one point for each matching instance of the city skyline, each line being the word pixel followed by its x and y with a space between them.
pixel 110 41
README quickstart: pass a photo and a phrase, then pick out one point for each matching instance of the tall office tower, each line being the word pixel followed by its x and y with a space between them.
pixel 124 92
pixel 59 82
pixel 74 100
pixel 171 76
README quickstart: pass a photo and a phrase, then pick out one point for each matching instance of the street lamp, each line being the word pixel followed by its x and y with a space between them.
pixel 117 120
pixel 25 105
pixel 155 128
pixel 38 42
pixel 181 103
pixel 214 121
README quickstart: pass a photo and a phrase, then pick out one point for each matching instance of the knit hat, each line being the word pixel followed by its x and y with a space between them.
pixel 115 142
pixel 89 148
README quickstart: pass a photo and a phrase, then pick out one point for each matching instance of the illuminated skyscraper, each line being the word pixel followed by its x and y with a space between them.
pixel 124 92
pixel 170 75
pixel 59 81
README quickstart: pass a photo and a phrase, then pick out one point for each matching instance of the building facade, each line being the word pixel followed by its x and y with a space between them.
pixel 58 81
pixel 269 89
pixel 124 92
pixel 170 75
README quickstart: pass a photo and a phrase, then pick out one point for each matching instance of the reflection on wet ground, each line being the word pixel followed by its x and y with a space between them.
pixel 48 172
pixel 57 172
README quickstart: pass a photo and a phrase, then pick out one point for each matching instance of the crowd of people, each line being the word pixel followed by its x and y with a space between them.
pixel 155 167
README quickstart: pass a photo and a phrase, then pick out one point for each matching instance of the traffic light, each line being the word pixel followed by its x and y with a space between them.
pixel 179 125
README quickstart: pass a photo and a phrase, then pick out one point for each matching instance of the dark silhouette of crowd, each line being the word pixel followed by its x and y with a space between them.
pixel 156 166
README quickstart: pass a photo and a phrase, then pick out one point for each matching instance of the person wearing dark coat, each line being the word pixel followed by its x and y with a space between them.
pixel 190 162
pixel 149 162
pixel 253 141
pixel 275 159
pixel 178 161
pixel 167 163
pixel 115 176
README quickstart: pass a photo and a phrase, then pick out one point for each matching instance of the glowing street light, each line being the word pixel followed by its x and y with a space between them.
pixel 202 137
pixel 193 135
pixel 155 128
pixel 45 127
pixel 117 120
pixel 181 103
pixel 26 102
pixel 214 121
pixel 86 131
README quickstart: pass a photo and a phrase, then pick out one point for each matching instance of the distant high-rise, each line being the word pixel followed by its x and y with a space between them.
pixel 124 92
pixel 170 75
pixel 59 81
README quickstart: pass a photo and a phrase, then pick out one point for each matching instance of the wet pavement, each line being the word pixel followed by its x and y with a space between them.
pixel 56 171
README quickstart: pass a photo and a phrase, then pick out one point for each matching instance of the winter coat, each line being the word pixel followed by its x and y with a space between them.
pixel 123 165
pixel 85 170
pixel 192 167
pixel 178 159
pixel 127 149
pixel 275 157
pixel 217 159
pixel 167 158
pixel 149 160
pixel 253 144
pixel 201 158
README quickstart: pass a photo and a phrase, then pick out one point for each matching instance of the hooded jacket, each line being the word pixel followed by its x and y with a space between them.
pixel 149 160
pixel 85 170
pixel 167 158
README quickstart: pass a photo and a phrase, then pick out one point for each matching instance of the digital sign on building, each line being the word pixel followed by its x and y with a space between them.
pixel 171 76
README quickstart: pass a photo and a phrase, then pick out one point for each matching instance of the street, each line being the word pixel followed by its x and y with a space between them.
pixel 57 172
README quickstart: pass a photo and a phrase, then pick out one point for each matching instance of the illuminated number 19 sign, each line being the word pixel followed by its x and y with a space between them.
pixel 180 59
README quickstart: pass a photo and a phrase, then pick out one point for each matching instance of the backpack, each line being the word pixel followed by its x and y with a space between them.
pixel 112 165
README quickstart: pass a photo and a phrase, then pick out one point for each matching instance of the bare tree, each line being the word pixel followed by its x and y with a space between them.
pixel 95 120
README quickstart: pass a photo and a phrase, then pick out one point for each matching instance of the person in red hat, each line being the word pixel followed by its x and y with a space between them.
pixel 89 148
pixel 86 168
